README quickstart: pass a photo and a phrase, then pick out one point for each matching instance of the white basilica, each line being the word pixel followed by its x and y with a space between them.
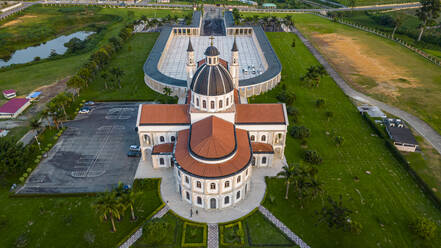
pixel 213 142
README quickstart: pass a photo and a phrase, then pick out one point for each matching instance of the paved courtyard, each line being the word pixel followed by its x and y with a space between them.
pixel 91 155
pixel 171 196
pixel 174 60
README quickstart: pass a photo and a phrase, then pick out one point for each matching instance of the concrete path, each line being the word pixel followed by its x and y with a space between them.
pixel 172 198
pixel 28 137
pixel 213 236
pixel 296 239
pixel 420 126
pixel 161 212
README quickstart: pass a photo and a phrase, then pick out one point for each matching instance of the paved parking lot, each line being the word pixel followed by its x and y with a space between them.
pixel 91 155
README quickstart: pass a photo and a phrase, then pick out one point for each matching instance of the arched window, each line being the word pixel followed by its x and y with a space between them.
pixel 161 161
pixel 263 160
pixel 204 104
pixel 187 195
pixel 209 60
pixel 172 138
pixel 187 180
pixel 147 139
pixel 212 186
pixel 228 102
pixel 220 103
pixel 227 200
pixel 238 179
pixel 212 104
pixel 199 200
pixel 253 138
pixel 198 184
pixel 162 139
pixel 246 172
pixel 227 184
pixel 197 102
pixel 253 161
pixel 263 138
pixel 238 195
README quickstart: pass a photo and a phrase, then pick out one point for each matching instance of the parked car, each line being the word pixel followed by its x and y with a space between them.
pixel 132 153
pixel 135 148
pixel 84 110
pixel 89 103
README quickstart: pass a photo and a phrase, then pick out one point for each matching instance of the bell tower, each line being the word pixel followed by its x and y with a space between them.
pixel 234 65
pixel 191 64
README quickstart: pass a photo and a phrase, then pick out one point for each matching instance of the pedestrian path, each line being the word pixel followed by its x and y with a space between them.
pixel 296 239
pixel 213 236
pixel 161 212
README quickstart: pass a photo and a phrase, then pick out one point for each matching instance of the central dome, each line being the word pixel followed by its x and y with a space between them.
pixel 212 80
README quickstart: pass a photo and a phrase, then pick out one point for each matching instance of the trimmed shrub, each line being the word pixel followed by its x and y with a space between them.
pixel 300 132
pixel 286 97
pixel 29 170
pixel 319 103
pixel 312 157
pixel 424 228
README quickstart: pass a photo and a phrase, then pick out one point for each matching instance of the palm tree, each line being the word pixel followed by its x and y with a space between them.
pixel 45 115
pixel 398 20
pixel 117 73
pixel 104 76
pixel 167 91
pixel 77 83
pixel 35 126
pixel 128 199
pixel 108 206
pixel 288 173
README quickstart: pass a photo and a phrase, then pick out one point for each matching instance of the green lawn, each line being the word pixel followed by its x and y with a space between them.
pixel 385 201
pixel 27 78
pixel 67 221
pixel 372 2
pixel 131 60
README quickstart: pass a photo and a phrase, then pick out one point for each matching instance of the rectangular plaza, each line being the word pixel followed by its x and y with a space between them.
pixel 251 60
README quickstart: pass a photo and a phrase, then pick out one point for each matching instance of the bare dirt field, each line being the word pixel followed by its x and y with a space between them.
pixel 354 59
pixel 17 21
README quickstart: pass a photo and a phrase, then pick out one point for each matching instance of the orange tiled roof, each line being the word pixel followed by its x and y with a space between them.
pixel 260 114
pixel 212 138
pixel 236 96
pixel 237 163
pixel 156 114
pixel 259 147
pixel 163 148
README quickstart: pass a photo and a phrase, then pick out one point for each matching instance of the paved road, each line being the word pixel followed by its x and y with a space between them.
pixel 22 7
pixel 420 126
pixel 246 8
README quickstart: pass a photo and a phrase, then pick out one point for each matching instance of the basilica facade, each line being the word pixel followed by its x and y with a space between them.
pixel 213 142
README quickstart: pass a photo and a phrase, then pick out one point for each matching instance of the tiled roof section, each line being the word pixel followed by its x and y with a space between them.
pixel 260 114
pixel 212 138
pixel 237 163
pixel 9 91
pixel 163 148
pixel 164 114
pixel 13 105
pixel 259 147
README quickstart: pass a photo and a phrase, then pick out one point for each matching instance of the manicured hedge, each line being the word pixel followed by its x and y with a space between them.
pixel 188 225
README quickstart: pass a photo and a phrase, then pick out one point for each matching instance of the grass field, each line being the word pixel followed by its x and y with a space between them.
pixel 67 221
pixel 131 60
pixel 27 78
pixel 386 200
pixel 373 2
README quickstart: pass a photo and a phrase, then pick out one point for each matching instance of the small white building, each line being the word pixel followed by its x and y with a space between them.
pixel 9 94
pixel 213 142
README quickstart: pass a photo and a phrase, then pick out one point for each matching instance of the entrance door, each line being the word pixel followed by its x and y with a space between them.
pixel 213 203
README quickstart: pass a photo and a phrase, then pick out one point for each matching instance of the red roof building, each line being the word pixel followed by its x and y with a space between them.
pixel 13 108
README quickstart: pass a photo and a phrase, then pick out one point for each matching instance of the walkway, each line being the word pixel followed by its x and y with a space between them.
pixel 213 236
pixel 420 126
pixel 283 228
pixel 172 198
